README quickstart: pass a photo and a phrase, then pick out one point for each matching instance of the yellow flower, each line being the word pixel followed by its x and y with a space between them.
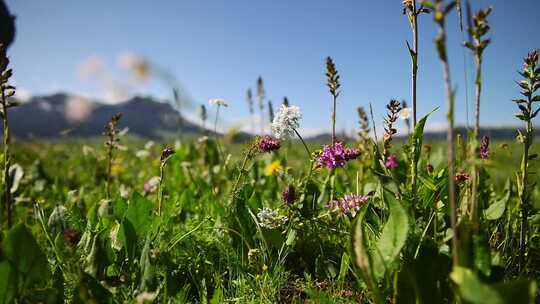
pixel 273 167
pixel 117 169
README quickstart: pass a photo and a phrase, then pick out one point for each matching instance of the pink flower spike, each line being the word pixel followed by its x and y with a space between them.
pixel 391 162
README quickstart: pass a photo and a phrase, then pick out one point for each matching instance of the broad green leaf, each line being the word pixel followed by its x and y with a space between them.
pixel 393 236
pixel 8 282
pixel 424 279
pixel 344 268
pixel 496 210
pixel 415 140
pixel 90 290
pixel 139 213
pixel 129 237
pixel 291 238
pixel 482 255
pixel 471 289
pixel 362 257
pixel 25 255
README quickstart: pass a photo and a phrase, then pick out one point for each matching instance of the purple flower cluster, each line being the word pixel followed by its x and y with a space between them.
pixel 337 155
pixel 268 144
pixel 348 203
pixel 289 195
pixel 462 176
pixel 391 162
pixel 484 148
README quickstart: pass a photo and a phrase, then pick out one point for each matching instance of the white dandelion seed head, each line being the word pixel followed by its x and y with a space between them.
pixel 405 113
pixel 218 102
pixel 286 120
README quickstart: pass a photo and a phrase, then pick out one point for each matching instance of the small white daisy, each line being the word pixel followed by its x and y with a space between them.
pixel 218 102
pixel 405 113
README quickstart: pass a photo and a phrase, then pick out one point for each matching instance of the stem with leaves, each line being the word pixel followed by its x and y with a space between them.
pixel 412 12
pixel 477 45
pixel 165 155
pixel 478 28
pixel 529 85
pixel 111 131
pixel 6 91
pixel 441 11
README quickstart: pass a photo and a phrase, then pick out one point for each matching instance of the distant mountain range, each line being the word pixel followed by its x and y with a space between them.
pixel 68 115
pixel 61 115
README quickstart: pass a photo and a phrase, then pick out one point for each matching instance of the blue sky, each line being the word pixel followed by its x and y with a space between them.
pixel 218 48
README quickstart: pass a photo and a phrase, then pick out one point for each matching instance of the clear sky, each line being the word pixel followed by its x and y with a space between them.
pixel 218 48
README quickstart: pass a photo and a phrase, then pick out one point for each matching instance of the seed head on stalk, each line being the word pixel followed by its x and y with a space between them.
pixel 393 107
pixel 204 116
pixel 7 91
pixel 332 81
pixel 165 155
pixel 112 134
pixel 529 85
pixel 261 95
pixel 249 100
pixel 478 29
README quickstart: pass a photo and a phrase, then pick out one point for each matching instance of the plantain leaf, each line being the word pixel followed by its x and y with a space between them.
pixel 362 257
pixel 393 237
pixel 471 289
pixel 25 256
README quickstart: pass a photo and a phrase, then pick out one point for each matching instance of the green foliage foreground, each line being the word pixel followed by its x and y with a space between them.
pixel 211 244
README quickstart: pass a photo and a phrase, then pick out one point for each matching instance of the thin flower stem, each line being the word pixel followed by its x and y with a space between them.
pixel 216 134
pixel 333 121
pixel 160 187
pixel 109 169
pixel 241 173
pixel 478 90
pixel 451 160
pixel 415 61
pixel 303 143
pixel 7 161
pixel 523 195
pixel 440 43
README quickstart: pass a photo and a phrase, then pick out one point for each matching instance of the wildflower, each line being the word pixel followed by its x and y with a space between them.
pixel 218 102
pixel 391 162
pixel 270 218
pixel 336 155
pixel 273 167
pixel 462 177
pixel 105 208
pixel 57 219
pixel 484 148
pixel 351 153
pixel 166 153
pixel 289 195
pixel 408 4
pixel 286 121
pixel 146 297
pixel 72 236
pixel 268 144
pixel 350 203
pixel 405 113
pixel 394 107
pixel 429 168
pixel 151 184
